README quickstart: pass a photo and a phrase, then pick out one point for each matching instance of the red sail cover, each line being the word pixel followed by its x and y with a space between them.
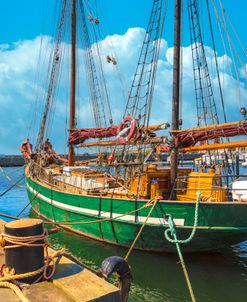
pixel 78 136
pixel 189 137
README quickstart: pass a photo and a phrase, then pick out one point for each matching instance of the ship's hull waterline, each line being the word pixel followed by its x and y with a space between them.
pixel 220 224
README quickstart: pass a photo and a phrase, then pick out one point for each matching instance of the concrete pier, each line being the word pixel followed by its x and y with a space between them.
pixel 71 282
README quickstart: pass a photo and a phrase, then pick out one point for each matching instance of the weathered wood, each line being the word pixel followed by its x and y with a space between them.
pixel 239 144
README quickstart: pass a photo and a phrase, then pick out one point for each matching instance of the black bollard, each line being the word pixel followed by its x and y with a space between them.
pixel 24 259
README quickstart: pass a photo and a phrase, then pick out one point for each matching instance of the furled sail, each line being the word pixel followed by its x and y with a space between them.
pixel 190 137
pixel 78 136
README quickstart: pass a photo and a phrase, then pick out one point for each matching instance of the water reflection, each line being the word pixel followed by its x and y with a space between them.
pixel 158 277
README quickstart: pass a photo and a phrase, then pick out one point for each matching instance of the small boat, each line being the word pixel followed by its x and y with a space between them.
pixel 239 189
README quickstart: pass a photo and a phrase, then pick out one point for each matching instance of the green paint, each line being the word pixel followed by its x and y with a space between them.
pixel 219 224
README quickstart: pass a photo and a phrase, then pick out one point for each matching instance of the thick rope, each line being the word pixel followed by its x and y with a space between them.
pixel 147 204
pixel 140 231
pixel 186 275
pixel 22 276
pixel 30 241
pixel 16 289
pixel 172 231
pixel 50 260
pixel 171 228
pixel 9 216
pixel 23 241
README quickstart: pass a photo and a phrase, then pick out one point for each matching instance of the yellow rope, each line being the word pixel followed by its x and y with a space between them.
pixel 22 276
pixel 30 242
pixel 16 289
pixel 23 241
pixel 10 179
pixel 147 204
pixel 140 231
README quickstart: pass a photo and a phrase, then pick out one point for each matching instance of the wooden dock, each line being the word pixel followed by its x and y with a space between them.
pixel 71 282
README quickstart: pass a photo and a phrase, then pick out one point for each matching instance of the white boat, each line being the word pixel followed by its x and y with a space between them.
pixel 239 189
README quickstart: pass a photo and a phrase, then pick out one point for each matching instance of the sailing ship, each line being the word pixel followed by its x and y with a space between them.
pixel 109 197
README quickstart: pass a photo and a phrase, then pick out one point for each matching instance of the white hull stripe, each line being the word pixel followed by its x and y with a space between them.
pixel 86 211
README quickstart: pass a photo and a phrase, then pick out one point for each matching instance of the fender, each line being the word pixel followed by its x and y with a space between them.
pixel 119 265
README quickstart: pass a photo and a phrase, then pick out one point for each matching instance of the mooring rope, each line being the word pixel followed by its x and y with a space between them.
pixel 13 185
pixel 9 178
pixel 172 231
pixel 171 228
pixel 16 289
pixel 147 204
pixel 9 216
pixel 141 229
pixel 28 241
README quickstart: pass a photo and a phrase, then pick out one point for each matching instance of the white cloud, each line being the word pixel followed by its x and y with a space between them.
pixel 19 87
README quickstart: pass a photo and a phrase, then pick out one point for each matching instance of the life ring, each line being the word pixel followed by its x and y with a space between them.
pixel 126 129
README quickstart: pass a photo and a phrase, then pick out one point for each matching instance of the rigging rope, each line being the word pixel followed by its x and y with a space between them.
pixel 13 185
pixel 7 176
pixel 56 60
pixel 72 222
pixel 172 230
pixel 141 93
pixel 222 25
pixel 206 107
pixel 97 87
pixel 141 229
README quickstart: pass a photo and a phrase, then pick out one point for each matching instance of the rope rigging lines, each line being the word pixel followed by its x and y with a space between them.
pixel 94 67
pixel 206 108
pixel 141 92
pixel 233 55
pixel 89 45
pixel 56 60
pixel 203 75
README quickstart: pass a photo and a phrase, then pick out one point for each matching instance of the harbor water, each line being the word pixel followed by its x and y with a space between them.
pixel 215 277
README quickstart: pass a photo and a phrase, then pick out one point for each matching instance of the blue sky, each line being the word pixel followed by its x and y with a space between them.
pixel 21 24
pixel 24 19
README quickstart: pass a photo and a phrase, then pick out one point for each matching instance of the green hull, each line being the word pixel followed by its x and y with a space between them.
pixel 220 225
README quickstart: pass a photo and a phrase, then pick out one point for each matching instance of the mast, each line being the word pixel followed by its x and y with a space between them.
pixel 176 89
pixel 71 155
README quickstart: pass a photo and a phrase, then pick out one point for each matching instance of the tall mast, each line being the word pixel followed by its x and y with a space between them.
pixel 72 80
pixel 176 88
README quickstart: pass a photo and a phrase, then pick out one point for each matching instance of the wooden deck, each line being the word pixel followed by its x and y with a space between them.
pixel 71 282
